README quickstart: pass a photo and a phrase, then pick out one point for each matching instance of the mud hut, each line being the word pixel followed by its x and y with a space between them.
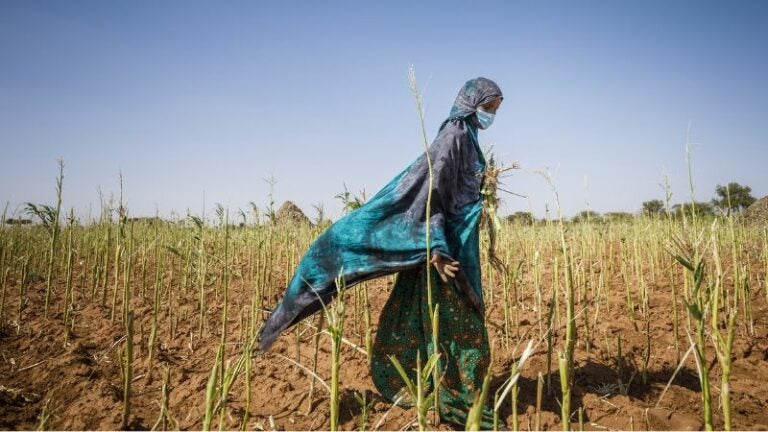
pixel 757 212
pixel 290 213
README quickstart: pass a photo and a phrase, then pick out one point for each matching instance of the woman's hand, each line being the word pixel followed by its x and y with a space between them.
pixel 444 267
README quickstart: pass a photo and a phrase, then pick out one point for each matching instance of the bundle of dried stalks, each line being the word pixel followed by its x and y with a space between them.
pixel 490 218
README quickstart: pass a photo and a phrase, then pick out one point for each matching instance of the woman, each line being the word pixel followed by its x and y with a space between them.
pixel 387 235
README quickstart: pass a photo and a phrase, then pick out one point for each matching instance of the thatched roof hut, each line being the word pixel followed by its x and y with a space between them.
pixel 757 212
pixel 290 213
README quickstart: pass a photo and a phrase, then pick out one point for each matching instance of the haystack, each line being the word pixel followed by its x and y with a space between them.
pixel 757 212
pixel 290 213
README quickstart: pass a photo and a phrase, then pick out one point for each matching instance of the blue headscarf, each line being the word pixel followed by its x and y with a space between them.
pixel 387 234
pixel 476 92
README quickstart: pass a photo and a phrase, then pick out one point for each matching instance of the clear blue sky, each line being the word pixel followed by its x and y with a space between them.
pixel 193 99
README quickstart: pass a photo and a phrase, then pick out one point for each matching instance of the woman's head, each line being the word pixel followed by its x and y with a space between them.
pixel 478 94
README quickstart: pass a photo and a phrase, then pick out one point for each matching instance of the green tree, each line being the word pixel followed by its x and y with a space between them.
pixel 701 209
pixel 618 216
pixel 740 197
pixel 586 215
pixel 522 217
pixel 653 207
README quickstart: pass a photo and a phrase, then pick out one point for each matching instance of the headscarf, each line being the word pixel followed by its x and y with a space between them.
pixel 476 92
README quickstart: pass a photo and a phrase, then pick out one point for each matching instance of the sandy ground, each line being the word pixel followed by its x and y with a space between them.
pixel 80 386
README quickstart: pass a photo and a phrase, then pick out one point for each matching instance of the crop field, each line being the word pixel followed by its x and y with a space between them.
pixel 646 323
pixel 308 238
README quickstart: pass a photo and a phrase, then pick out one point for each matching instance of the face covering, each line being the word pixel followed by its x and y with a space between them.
pixel 485 119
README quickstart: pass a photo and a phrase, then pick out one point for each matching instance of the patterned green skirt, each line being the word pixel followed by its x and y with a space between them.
pixel 405 329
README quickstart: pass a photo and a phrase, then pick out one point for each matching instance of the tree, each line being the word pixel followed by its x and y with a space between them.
pixel 701 209
pixel 586 215
pixel 618 216
pixel 740 197
pixel 522 217
pixel 653 207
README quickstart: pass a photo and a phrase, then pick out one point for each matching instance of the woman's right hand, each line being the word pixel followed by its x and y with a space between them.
pixel 444 267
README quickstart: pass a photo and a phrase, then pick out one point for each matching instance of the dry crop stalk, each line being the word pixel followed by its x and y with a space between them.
pixel 120 239
pixel 95 270
pixel 515 284
pixel 22 289
pixel 507 309
pixel 740 278
pixel 4 285
pixel 724 345
pixel 201 271
pixel 357 315
pixel 698 306
pixel 248 373
pixel 675 317
pixel 565 387
pixel 765 257
pixel 565 358
pixel 639 281
pixel 144 274
pixel 513 399
pixel 155 310
pixel 550 340
pixel 368 325
pixel 122 215
pixel 320 325
pixel 229 379
pixel 127 369
pixel 418 390
pixel 627 288
pixel 555 290
pixel 365 407
pixel 475 414
pixel 537 289
pixel 511 386
pixel 165 419
pixel 336 316
pixel 647 351
pixel 105 274
pixel 54 237
pixel 68 287
pixel 539 392
pixel 85 258
pixel 210 393
pixel 169 301
pixel 587 336
pixel 432 311
pixel 45 416
pixel 225 306
pixel 127 271
pixel 3 282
